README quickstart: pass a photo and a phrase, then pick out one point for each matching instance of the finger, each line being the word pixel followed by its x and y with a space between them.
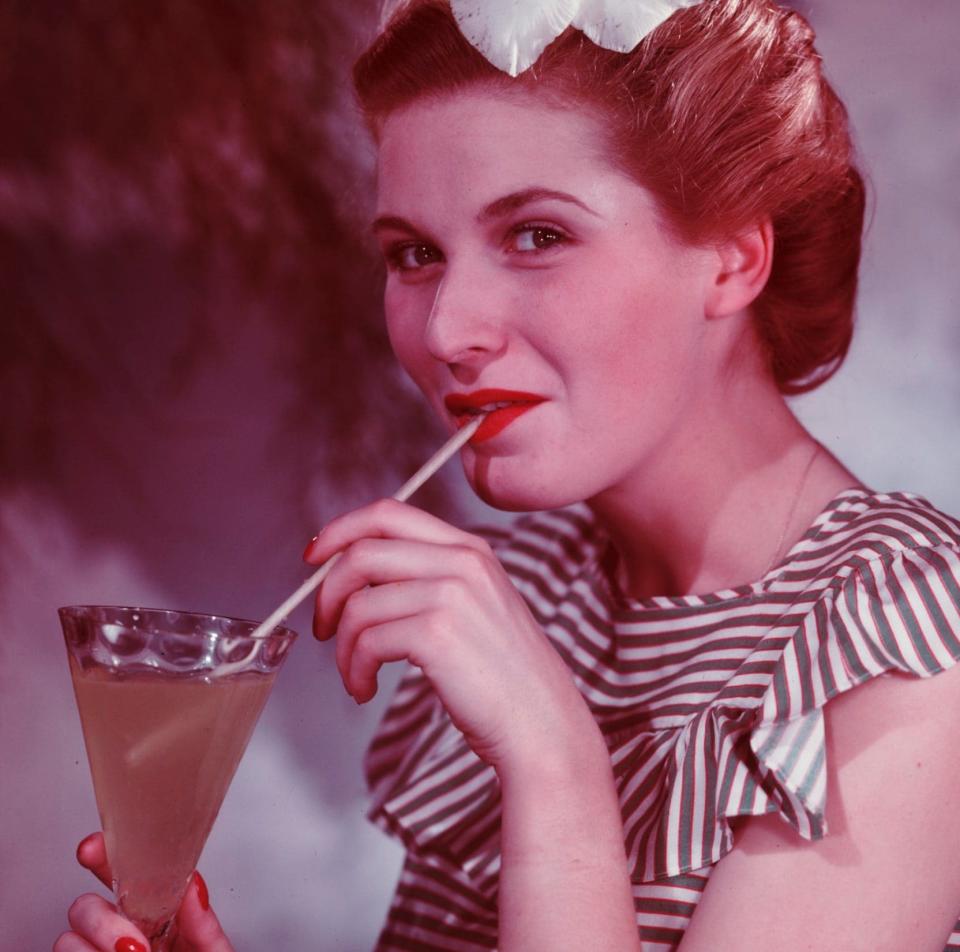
pixel 98 921
pixel 386 519
pixel 371 607
pixel 92 854
pixel 198 924
pixel 378 561
pixel 71 942
pixel 394 641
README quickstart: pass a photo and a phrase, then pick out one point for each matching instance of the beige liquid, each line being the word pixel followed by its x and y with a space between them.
pixel 162 752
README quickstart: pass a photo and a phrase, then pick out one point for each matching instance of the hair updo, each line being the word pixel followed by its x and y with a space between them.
pixel 722 113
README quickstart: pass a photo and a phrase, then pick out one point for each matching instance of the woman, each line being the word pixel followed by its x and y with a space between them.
pixel 629 721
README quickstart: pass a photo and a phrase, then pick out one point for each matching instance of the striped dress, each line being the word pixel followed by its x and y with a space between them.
pixel 711 705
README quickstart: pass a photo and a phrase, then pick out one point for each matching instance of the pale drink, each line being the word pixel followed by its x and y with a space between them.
pixel 162 753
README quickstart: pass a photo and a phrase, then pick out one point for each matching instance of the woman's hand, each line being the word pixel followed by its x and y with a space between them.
pixel 97 926
pixel 410 586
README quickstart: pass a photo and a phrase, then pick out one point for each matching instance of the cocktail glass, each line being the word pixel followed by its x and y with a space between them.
pixel 168 701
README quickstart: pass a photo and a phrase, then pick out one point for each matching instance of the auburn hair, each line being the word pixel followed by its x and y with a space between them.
pixel 722 113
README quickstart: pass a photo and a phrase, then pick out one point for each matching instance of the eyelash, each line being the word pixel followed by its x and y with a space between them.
pixel 395 252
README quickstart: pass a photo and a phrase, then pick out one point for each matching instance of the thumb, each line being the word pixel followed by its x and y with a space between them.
pixel 198 926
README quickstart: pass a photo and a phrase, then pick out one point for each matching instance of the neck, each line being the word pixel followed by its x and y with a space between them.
pixel 678 533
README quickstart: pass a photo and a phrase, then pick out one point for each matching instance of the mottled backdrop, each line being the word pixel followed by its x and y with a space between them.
pixel 193 376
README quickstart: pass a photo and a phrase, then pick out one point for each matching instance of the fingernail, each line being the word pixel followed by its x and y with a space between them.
pixel 202 893
pixel 310 545
pixel 127 944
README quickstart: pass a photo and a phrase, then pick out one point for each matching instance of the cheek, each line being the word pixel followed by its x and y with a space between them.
pixel 404 330
pixel 596 326
pixel 613 342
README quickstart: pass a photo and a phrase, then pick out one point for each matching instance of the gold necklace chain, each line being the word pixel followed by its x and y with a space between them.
pixel 793 507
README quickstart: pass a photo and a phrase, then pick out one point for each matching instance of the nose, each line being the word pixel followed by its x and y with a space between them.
pixel 463 328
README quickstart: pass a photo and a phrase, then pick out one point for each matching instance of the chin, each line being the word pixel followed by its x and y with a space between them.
pixel 519 494
pixel 511 504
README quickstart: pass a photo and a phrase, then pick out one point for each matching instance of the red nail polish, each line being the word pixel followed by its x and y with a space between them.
pixel 202 893
pixel 310 545
pixel 126 944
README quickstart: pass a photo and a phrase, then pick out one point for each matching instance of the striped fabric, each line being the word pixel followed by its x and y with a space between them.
pixel 711 705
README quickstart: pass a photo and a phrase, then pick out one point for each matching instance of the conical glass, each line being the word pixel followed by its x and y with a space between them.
pixel 168 701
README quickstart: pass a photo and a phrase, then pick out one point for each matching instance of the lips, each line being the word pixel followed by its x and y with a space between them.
pixel 464 406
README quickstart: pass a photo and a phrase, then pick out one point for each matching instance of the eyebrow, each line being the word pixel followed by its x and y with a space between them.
pixel 496 209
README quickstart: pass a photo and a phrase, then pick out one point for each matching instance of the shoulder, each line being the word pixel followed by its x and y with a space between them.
pixel 861 526
pixel 877 585
pixel 857 739
pixel 896 565
pixel 892 765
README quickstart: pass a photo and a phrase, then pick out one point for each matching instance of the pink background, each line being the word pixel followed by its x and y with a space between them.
pixel 193 377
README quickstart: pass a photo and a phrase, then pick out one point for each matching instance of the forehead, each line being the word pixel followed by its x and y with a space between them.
pixel 476 145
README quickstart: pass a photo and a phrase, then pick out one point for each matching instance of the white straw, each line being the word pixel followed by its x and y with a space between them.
pixel 402 494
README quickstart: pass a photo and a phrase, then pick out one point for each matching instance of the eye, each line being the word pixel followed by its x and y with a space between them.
pixel 411 255
pixel 533 238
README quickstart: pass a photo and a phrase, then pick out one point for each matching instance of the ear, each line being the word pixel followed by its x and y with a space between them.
pixel 744 264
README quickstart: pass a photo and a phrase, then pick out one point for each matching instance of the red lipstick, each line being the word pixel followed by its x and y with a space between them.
pixel 464 406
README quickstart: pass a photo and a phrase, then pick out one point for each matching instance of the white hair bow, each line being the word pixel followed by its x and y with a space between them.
pixel 512 34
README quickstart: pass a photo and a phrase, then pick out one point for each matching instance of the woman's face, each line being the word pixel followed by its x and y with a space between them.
pixel 519 259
